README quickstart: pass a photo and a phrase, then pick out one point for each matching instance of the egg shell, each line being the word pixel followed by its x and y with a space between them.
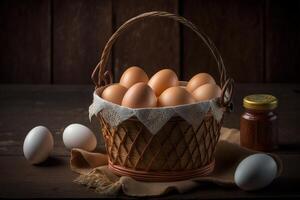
pixel 198 80
pixel 163 80
pixel 114 93
pixel 206 92
pixel 38 144
pixel 140 95
pixel 79 136
pixel 175 96
pixel 132 76
pixel 255 172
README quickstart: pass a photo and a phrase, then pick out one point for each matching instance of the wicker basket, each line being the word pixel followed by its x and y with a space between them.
pixel 177 151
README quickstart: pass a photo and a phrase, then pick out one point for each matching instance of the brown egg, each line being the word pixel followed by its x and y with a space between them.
pixel 162 80
pixel 140 95
pixel 198 80
pixel 174 96
pixel 132 76
pixel 206 92
pixel 114 93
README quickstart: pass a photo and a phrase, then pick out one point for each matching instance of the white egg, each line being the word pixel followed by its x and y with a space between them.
pixel 79 136
pixel 38 144
pixel 255 172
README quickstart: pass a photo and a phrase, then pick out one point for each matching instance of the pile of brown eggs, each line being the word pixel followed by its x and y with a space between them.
pixel 136 90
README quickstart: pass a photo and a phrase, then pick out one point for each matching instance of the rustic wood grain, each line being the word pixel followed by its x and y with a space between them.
pixel 53 107
pixel 80 30
pixel 282 41
pixel 53 179
pixel 152 44
pixel 236 28
pixel 25 106
pixel 25 41
pixel 258 39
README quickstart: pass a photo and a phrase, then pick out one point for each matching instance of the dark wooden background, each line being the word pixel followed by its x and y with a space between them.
pixel 60 41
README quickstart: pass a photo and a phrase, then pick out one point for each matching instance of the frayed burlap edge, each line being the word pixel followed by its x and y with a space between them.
pixel 100 182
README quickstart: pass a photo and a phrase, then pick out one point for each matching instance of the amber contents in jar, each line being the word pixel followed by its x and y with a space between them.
pixel 259 122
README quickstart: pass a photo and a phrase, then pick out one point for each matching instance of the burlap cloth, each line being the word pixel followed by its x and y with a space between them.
pixel 94 173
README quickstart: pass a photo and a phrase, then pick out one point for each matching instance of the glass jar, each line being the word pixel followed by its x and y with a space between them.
pixel 259 122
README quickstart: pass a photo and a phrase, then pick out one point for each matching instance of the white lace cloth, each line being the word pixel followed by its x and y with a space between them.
pixel 154 118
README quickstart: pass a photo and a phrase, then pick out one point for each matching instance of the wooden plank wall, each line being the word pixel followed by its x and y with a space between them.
pixel 25 41
pixel 60 41
pixel 236 27
pixel 151 44
pixel 80 29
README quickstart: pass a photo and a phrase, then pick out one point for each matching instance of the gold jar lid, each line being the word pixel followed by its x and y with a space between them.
pixel 260 102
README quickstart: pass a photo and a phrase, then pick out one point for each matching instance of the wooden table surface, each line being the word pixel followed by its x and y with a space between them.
pixel 23 107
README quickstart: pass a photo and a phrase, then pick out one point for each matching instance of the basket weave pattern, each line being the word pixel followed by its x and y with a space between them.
pixel 176 147
pixel 177 151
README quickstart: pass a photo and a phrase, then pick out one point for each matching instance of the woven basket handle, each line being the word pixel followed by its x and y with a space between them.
pixel 102 77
